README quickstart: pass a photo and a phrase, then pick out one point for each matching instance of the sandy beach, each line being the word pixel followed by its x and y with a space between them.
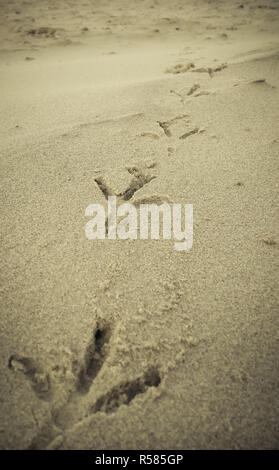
pixel 130 344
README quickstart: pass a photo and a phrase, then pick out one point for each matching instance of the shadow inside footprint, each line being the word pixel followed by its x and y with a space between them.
pixel 94 358
pixel 138 183
pixel 124 393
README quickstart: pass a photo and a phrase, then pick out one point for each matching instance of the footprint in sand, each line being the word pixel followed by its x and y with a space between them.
pixel 210 70
pixel 176 127
pixel 174 124
pixel 259 82
pixel 45 31
pixel 193 91
pixel 180 68
pixel 126 188
pixel 34 372
pixel 270 241
pixel 125 392
pixel 124 184
pixel 77 406
pixel 151 135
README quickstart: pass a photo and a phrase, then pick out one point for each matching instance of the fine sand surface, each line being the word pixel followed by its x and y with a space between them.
pixel 113 344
